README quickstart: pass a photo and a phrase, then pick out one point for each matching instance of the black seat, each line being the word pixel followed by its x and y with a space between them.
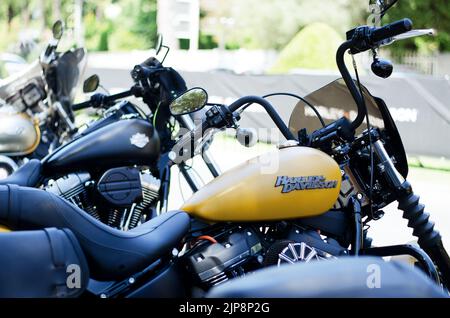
pixel 41 263
pixel 347 277
pixel 27 176
pixel 111 254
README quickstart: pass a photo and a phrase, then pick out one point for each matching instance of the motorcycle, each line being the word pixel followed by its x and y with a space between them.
pixel 58 260
pixel 35 115
pixel 330 183
pixel 129 182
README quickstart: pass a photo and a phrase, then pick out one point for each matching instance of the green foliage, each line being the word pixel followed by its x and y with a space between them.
pixel 207 42
pixel 133 28
pixel 123 40
pixel 271 24
pixel 184 44
pixel 313 47
pixel 144 22
pixel 7 38
pixel 103 42
pixel 424 14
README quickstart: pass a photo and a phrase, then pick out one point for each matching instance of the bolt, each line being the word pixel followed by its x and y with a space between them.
pixel 359 196
pixel 103 296
pixel 174 252
pixel 131 280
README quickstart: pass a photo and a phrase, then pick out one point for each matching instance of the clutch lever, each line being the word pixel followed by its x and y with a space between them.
pixel 408 35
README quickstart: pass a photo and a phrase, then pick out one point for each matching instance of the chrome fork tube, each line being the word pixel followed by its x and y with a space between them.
pixel 212 165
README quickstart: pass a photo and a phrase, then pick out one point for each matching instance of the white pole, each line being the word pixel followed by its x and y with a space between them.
pixel 164 19
pixel 194 25
pixel 78 21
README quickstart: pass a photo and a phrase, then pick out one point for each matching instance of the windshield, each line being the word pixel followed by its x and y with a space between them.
pixel 334 101
pixel 70 71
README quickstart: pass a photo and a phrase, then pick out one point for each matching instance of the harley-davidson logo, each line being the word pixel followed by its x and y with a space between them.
pixel 304 183
pixel 139 140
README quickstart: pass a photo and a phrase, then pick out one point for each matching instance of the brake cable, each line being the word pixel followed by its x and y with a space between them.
pixel 363 101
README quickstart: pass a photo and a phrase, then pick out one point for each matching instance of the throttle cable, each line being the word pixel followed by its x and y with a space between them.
pixel 363 101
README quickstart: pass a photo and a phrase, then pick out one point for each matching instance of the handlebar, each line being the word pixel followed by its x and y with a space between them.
pixel 359 40
pixel 391 30
pixel 185 148
pixel 100 100
pixel 269 109
pixel 82 105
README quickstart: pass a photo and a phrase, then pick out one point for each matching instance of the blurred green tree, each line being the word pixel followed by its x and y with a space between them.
pixel 144 22
pixel 271 24
pixel 313 47
pixel 424 14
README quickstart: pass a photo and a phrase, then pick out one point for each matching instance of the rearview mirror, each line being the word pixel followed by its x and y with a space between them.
pixel 91 84
pixel 189 102
pixel 58 30
pixel 159 42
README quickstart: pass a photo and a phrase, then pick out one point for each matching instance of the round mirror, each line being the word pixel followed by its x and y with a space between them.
pixel 58 29
pixel 91 84
pixel 159 42
pixel 189 102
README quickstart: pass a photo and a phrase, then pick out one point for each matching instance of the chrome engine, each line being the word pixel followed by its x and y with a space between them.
pixel 122 198
pixel 19 133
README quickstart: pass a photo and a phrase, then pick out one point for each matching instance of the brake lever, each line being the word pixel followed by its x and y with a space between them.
pixel 408 35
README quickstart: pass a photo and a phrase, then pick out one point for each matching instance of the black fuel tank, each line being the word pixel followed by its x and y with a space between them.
pixel 125 142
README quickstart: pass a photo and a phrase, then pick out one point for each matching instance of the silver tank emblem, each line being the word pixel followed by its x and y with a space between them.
pixel 139 140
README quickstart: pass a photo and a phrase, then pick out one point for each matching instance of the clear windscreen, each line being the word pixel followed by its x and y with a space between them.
pixel 71 66
pixel 333 101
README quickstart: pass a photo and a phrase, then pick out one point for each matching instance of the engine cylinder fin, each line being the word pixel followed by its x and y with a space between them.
pixel 114 218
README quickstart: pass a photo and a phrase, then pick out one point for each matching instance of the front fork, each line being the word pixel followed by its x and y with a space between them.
pixel 429 239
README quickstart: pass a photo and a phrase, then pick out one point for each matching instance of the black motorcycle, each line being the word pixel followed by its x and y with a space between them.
pixel 117 169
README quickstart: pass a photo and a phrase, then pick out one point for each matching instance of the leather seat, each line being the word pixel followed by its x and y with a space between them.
pixel 27 176
pixel 349 277
pixel 111 254
pixel 41 263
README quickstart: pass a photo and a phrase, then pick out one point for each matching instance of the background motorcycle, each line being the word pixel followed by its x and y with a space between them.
pixel 117 169
pixel 35 117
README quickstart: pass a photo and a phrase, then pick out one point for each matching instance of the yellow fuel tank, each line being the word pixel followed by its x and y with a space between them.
pixel 289 183
pixel 4 229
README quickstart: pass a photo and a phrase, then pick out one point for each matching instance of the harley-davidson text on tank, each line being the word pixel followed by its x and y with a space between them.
pixel 304 183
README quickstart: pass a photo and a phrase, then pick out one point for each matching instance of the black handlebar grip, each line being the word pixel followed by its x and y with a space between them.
pixel 391 30
pixel 81 105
